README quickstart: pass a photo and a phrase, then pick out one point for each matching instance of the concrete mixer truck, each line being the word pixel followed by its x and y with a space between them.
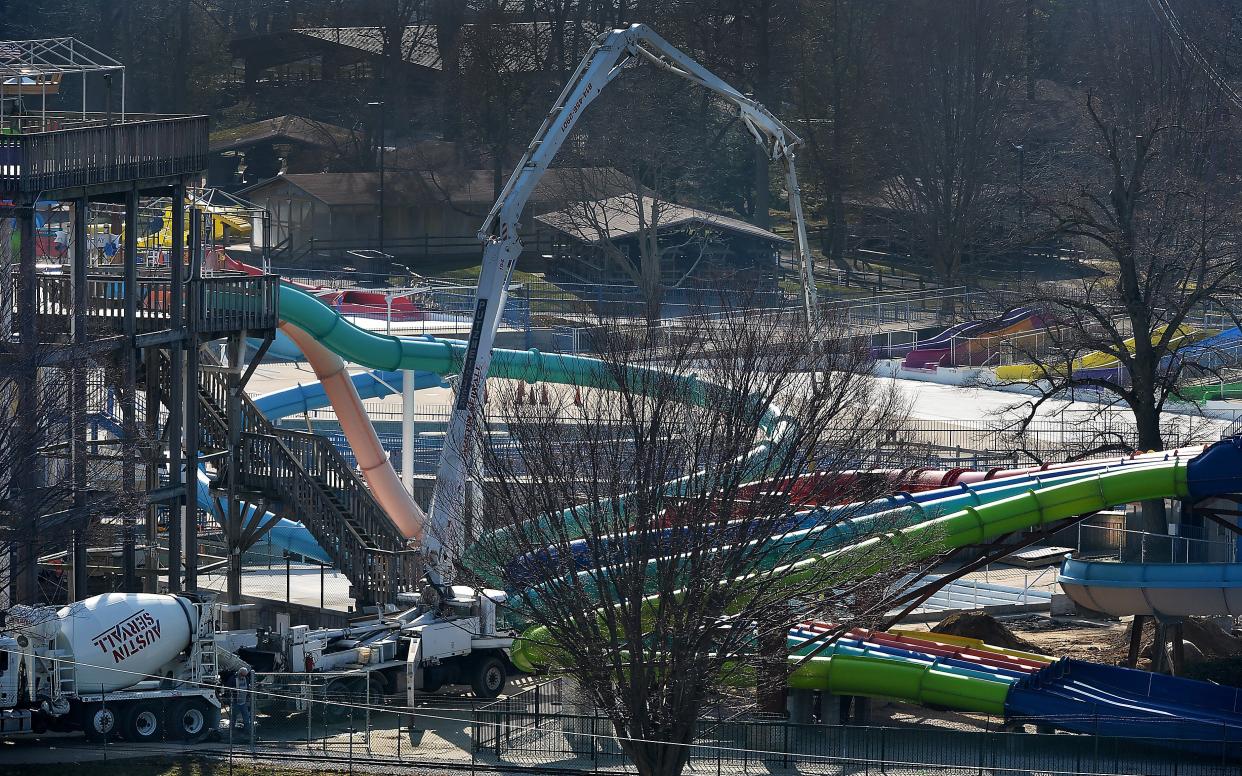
pixel 140 664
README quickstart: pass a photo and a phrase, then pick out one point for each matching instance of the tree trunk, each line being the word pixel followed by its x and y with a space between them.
pixel 1152 516
pixel 772 674
pixel 446 15
pixel 763 193
pixel 181 64
pixel 763 89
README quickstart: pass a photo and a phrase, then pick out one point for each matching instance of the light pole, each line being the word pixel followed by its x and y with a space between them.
pixel 379 106
pixel 1021 180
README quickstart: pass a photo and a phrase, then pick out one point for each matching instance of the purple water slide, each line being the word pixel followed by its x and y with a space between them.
pixel 940 340
pixel 930 353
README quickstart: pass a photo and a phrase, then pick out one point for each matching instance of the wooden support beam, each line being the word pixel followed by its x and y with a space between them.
pixel 1222 522
pixel 129 388
pixel 80 573
pixel 1136 639
pixel 185 508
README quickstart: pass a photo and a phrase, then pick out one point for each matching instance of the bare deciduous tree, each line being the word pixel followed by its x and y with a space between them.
pixel 608 497
pixel 1148 192
pixel 949 70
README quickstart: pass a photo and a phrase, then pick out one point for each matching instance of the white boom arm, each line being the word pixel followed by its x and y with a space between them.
pixel 609 55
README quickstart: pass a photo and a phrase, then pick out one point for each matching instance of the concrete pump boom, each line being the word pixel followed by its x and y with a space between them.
pixel 608 56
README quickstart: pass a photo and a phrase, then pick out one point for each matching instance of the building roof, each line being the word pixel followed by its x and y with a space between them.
pixel 458 187
pixel 294 128
pixel 418 42
pixel 518 46
pixel 618 217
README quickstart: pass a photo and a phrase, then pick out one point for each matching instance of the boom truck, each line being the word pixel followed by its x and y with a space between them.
pixel 456 641
pixel 438 653
pixel 140 664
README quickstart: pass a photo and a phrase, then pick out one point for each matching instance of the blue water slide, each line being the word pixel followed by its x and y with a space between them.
pixel 1215 351
pixel 1169 589
pixel 311 396
pixel 829 525
pixel 1111 701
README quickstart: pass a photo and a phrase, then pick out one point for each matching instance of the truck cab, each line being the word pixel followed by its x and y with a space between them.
pixel 454 640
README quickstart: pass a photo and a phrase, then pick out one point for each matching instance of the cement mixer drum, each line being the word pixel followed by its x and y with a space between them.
pixel 120 639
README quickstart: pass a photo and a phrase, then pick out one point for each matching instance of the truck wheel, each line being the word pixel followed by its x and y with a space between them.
pixel 489 677
pixel 144 722
pixel 192 718
pixel 340 696
pixel 99 722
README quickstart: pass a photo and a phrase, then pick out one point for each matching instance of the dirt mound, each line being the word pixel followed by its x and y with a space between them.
pixel 1211 640
pixel 977 625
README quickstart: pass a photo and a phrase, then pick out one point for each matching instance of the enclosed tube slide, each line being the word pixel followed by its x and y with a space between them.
pixel 326 328
pixel 1168 590
pixel 1217 471
pixel 372 459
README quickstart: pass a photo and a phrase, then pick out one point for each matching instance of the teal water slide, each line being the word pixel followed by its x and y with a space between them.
pixel 389 352
pixel 963 518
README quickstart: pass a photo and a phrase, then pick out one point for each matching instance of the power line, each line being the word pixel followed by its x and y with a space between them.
pixel 1178 35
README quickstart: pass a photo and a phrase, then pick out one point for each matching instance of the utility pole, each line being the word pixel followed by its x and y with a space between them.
pixel 1021 150
pixel 379 106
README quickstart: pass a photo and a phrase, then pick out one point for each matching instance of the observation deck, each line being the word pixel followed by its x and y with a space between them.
pixel 217 304
pixel 48 154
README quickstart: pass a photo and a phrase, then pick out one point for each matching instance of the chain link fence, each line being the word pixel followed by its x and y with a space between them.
pixel 358 725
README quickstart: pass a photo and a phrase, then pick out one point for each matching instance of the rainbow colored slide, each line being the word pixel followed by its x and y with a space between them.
pixel 1067 694
pixel 1062 694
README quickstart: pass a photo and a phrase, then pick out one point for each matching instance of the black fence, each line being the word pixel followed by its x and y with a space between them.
pixel 536 728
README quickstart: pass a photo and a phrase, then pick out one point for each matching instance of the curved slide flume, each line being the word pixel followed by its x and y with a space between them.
pixel 1164 589
pixel 330 332
pixel 1217 471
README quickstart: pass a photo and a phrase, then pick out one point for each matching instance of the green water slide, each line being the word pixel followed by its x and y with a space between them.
pixel 1212 390
pixel 388 352
pixel 926 684
pixel 967 526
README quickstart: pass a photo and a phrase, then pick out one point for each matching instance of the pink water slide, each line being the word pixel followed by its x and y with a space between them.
pixel 372 459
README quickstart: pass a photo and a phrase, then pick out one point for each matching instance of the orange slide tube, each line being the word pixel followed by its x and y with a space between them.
pixel 372 459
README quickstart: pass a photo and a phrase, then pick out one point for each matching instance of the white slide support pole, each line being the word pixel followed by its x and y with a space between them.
pixel 407 429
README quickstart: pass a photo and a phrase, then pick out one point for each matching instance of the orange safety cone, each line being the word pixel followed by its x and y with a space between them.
pixel 543 396
pixel 521 392
pixel 577 396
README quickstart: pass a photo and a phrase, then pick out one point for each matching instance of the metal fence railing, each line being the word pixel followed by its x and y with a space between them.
pixel 540 729
pixel 342 719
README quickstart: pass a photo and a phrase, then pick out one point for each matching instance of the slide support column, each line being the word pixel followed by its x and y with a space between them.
pixel 407 429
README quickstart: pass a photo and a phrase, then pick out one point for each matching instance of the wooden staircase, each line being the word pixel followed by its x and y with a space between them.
pixel 306 479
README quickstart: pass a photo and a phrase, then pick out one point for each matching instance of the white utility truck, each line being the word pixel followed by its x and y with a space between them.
pixel 140 664
pixel 449 641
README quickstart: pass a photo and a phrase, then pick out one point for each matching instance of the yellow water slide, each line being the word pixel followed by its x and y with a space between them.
pixel 1097 360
